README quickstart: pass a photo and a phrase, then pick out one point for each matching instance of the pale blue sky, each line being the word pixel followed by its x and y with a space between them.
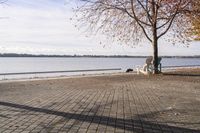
pixel 44 27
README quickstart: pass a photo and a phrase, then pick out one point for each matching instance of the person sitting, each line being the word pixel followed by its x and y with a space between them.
pixel 148 67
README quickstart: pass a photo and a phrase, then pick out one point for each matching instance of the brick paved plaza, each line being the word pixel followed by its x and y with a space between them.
pixel 120 103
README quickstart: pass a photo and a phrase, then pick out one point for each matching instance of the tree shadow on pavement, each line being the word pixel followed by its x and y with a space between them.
pixel 182 74
pixel 136 125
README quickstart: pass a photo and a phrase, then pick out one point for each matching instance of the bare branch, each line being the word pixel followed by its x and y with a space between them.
pixel 130 20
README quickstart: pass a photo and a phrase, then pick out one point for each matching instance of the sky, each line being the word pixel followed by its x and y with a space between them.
pixel 44 27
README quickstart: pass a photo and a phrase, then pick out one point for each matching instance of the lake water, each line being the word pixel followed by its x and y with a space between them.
pixel 33 64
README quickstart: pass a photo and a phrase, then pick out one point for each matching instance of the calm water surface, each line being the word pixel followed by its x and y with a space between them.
pixel 32 64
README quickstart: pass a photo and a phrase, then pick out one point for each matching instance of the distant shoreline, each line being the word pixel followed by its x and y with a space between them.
pixel 89 56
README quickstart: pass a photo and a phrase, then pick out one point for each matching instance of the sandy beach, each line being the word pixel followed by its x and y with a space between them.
pixel 168 102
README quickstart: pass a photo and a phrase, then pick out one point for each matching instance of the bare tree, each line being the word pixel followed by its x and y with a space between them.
pixel 133 20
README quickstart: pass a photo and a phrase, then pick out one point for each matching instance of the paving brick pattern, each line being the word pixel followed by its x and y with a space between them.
pixel 115 104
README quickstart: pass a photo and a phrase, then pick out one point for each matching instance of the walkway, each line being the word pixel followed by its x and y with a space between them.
pixel 112 104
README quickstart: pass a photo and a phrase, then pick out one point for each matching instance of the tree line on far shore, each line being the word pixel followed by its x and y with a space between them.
pixel 95 56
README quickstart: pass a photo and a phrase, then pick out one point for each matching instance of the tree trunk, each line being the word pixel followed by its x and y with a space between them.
pixel 155 38
pixel 155 51
pixel 155 56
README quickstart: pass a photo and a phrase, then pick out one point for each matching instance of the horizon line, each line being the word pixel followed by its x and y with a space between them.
pixel 83 55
